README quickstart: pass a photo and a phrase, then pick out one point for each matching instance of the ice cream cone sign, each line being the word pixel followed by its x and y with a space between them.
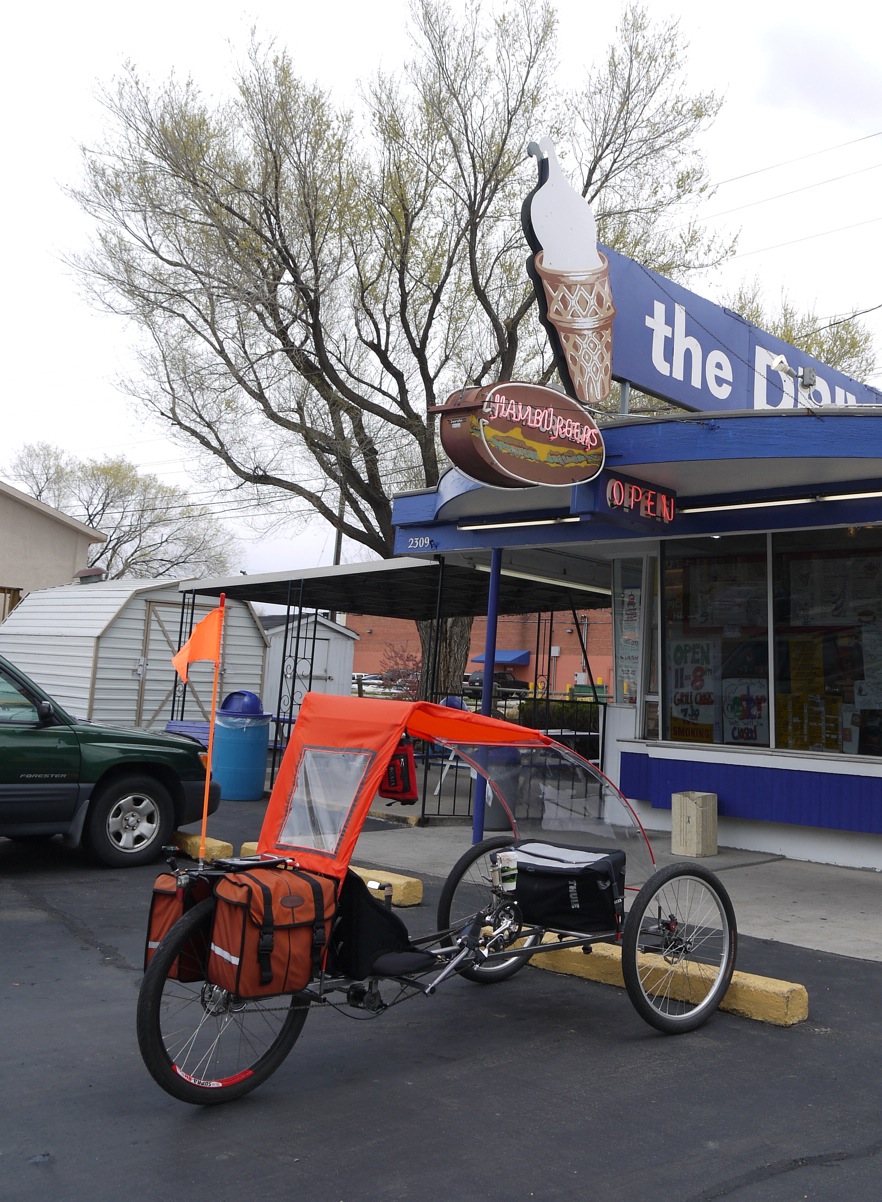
pixel 571 278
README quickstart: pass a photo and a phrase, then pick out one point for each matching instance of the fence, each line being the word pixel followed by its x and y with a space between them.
pixel 447 785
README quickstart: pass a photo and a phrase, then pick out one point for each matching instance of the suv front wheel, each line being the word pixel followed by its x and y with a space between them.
pixel 130 819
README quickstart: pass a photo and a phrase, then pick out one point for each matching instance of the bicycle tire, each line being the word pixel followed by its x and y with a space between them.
pixel 467 890
pixel 199 1043
pixel 679 948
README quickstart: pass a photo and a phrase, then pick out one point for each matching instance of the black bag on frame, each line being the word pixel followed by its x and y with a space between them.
pixel 570 888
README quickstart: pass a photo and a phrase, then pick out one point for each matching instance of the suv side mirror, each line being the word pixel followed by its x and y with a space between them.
pixel 44 710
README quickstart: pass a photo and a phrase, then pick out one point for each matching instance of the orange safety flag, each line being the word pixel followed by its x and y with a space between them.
pixel 203 644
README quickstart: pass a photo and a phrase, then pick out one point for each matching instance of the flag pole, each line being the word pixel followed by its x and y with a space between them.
pixel 211 721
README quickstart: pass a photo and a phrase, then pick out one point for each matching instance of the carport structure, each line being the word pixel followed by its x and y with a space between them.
pixel 424 590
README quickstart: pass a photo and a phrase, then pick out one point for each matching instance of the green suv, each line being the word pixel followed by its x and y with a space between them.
pixel 120 792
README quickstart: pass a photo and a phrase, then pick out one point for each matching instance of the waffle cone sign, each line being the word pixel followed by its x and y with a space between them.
pixel 570 275
pixel 512 435
pixel 579 305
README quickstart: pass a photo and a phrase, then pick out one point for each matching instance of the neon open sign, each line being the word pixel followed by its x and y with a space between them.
pixel 643 500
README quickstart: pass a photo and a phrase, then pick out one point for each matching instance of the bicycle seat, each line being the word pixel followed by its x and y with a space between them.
pixel 402 964
pixel 369 940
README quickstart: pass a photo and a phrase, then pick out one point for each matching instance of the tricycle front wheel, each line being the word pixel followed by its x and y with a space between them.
pixel 199 1042
pixel 679 946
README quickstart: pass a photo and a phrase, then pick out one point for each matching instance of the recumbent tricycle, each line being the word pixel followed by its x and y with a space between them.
pixel 239 951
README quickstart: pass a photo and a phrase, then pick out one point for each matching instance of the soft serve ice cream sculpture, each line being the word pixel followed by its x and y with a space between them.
pixel 574 275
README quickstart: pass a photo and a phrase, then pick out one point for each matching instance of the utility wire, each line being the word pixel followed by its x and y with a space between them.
pixel 800 159
pixel 841 321
pixel 835 179
pixel 743 254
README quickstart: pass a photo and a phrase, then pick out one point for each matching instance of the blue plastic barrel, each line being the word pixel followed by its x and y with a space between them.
pixel 241 739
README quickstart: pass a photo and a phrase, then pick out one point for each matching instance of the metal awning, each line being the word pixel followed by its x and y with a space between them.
pixel 505 657
pixel 405 587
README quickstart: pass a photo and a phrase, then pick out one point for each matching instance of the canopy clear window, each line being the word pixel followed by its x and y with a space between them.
pixel 326 786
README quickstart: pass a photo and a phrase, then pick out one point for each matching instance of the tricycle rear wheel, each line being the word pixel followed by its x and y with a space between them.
pixel 468 890
pixel 679 947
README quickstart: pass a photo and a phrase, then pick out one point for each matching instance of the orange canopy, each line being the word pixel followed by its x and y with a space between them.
pixel 335 761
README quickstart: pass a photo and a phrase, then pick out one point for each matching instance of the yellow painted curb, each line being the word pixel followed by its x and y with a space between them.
pixel 396 816
pixel 215 849
pixel 782 1003
pixel 406 890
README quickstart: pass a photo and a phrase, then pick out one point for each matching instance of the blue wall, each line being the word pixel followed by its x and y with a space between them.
pixel 839 802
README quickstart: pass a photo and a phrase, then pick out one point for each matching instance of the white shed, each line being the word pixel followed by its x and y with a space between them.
pixel 104 650
pixel 322 652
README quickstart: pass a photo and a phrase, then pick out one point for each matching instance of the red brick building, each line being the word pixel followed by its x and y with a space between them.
pixel 551 642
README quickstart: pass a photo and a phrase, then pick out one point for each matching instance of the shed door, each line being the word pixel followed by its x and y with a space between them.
pixel 158 676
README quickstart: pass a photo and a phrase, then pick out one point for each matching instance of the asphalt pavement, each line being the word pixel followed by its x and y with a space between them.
pixel 545 1086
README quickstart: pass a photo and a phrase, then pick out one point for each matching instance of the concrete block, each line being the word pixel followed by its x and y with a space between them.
pixel 694 824
pixel 406 890
pixel 188 844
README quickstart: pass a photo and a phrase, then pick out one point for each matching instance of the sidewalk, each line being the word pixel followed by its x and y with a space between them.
pixel 814 906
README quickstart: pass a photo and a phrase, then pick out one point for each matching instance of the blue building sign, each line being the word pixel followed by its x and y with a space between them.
pixel 674 344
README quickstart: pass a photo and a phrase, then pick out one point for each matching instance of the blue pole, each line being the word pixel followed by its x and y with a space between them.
pixel 487 687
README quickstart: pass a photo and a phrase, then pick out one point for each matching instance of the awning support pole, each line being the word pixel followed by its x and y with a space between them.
pixel 487 688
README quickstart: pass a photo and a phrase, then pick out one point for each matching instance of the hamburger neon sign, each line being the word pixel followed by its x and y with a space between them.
pixel 513 435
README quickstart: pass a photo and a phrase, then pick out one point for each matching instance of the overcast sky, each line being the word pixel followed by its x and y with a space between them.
pixel 796 152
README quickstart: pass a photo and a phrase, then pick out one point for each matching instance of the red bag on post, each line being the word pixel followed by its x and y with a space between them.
pixel 399 781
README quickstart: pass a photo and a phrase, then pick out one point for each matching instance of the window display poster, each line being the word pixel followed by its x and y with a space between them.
pixel 868 694
pixel 727 592
pixel 629 645
pixel 850 728
pixel 871 647
pixel 834 588
pixel 694 690
pixel 806 665
pixel 745 712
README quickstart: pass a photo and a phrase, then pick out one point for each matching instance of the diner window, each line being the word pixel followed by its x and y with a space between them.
pixel 715 622
pixel 828 640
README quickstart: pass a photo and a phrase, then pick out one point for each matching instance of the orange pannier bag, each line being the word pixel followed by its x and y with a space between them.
pixel 270 932
pixel 171 901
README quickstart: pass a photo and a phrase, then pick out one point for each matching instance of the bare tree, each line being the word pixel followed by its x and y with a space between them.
pixel 153 529
pixel 310 281
pixel 844 344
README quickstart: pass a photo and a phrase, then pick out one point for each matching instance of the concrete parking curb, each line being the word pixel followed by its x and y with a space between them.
pixel 395 816
pixel 406 890
pixel 781 1003
pixel 188 844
